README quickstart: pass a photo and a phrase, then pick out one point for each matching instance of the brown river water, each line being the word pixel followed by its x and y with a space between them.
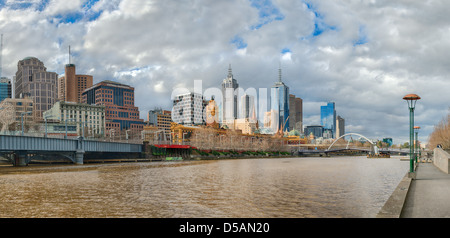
pixel 232 188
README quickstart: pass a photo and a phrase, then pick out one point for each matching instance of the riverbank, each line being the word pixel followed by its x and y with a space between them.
pixel 191 157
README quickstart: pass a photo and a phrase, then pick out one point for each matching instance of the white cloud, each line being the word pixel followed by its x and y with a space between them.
pixel 366 56
pixel 56 7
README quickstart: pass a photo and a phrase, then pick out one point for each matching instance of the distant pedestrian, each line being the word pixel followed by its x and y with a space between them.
pixel 439 146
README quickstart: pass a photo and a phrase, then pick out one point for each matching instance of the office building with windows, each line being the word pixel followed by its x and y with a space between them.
pixel 340 126
pixel 279 102
pixel 5 88
pixel 315 130
pixel 89 120
pixel 248 109
pixel 188 109
pixel 118 99
pixel 161 119
pixel 71 85
pixel 328 117
pixel 33 80
pixel 295 113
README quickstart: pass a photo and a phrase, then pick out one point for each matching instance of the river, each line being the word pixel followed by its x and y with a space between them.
pixel 232 188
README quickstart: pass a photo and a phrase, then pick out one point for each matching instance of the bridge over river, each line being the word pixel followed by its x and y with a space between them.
pixel 332 149
pixel 19 150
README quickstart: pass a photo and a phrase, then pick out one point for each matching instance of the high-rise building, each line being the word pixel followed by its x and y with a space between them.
pixel 229 102
pixel 33 80
pixel 118 99
pixel 248 107
pixel 295 113
pixel 71 85
pixel 328 117
pixel 279 102
pixel 188 109
pixel 316 131
pixel 162 119
pixel 340 126
pixel 5 88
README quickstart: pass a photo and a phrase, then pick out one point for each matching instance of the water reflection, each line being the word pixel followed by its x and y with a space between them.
pixel 290 187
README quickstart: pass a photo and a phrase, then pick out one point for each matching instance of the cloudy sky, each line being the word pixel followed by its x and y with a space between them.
pixel 362 55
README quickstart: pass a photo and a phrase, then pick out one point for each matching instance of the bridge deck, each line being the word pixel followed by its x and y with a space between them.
pixel 26 143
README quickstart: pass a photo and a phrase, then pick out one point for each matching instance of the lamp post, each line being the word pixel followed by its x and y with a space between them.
pixel 21 118
pixel 417 149
pixel 45 120
pixel 411 99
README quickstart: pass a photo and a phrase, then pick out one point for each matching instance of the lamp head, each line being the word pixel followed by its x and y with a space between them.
pixel 411 99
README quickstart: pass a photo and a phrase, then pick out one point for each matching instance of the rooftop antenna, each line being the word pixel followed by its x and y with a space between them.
pixel 279 73
pixel 230 74
pixel 69 55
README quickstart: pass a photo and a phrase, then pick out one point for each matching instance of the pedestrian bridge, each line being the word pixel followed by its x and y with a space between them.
pixel 21 149
pixel 372 149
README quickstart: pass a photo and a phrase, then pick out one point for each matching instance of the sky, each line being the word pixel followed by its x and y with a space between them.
pixel 362 55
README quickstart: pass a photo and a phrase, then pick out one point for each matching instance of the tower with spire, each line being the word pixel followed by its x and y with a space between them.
pixel 279 102
pixel 229 102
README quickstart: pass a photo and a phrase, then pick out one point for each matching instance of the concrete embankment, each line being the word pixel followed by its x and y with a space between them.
pixel 394 205
pixel 441 160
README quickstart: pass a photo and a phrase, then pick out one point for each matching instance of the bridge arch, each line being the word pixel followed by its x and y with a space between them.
pixel 348 134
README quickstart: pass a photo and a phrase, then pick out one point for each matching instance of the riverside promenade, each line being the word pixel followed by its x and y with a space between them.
pixel 426 196
pixel 429 194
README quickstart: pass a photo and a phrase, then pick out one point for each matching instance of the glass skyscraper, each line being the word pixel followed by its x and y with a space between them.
pixel 328 117
pixel 279 102
pixel 5 88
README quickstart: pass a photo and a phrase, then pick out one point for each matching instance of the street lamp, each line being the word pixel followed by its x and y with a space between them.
pixel 21 118
pixel 45 119
pixel 417 149
pixel 411 99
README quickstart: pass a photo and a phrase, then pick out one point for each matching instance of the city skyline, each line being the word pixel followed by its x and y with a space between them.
pixel 363 56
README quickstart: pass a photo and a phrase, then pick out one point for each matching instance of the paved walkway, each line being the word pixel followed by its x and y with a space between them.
pixel 429 194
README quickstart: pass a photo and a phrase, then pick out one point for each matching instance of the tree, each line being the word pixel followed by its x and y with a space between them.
pixel 441 134
pixel 405 145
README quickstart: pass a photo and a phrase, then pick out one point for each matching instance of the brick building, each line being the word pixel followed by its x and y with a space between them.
pixel 118 99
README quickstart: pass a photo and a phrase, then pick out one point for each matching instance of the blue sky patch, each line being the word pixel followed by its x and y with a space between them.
pixel 23 4
pixel 285 50
pixel 238 42
pixel 319 24
pixel 362 37
pixel 267 13
pixel 88 4
pixel 70 17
